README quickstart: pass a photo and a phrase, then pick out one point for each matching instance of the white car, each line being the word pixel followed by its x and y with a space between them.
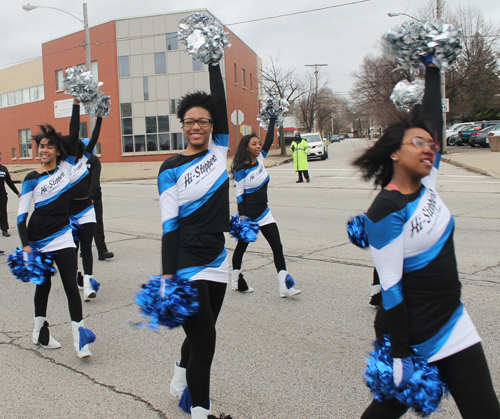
pixel 456 127
pixel 318 146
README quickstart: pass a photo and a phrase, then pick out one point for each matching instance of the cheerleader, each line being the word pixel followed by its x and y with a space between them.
pixel 410 231
pixel 194 200
pixel 81 208
pixel 48 229
pixel 252 180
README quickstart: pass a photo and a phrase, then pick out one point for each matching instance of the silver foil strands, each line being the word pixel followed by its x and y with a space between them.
pixel 406 95
pixel 204 38
pixel 99 107
pixel 272 106
pixel 78 82
pixel 408 44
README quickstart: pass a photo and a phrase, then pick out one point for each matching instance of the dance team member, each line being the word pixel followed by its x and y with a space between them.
pixel 194 200
pixel 300 150
pixel 5 177
pixel 81 207
pixel 252 180
pixel 410 231
pixel 48 229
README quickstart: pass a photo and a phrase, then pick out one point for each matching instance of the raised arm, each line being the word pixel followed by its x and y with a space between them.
pixel 74 129
pixel 221 124
pixel 269 136
pixel 431 103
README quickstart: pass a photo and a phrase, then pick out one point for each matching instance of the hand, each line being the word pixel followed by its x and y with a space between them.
pixel 167 276
pixel 292 148
pixel 271 116
pixel 29 256
pixel 403 370
pixel 19 195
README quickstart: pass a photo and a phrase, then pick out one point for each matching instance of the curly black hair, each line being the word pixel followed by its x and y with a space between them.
pixel 54 137
pixel 376 162
pixel 198 99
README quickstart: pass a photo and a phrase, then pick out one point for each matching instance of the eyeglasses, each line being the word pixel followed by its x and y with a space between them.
pixel 202 122
pixel 421 144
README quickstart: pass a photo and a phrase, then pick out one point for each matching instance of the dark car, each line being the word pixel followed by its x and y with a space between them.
pixel 464 134
pixel 336 138
pixel 454 139
pixel 479 138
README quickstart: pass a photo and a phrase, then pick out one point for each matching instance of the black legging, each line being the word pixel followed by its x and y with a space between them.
pixel 86 237
pixel 198 348
pixel 469 380
pixel 306 175
pixel 272 235
pixel 65 260
pixel 4 221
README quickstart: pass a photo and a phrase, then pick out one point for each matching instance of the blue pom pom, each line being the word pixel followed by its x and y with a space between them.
pixel 289 282
pixel 17 266
pixel 95 285
pixel 356 231
pixel 35 270
pixel 76 228
pixel 166 302
pixel 424 390
pixel 234 226
pixel 244 228
pixel 185 401
pixel 86 336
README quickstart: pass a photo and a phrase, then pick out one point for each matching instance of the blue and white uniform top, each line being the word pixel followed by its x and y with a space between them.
pixel 194 202
pixel 252 181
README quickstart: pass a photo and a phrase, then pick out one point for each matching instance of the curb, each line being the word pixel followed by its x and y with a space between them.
pixel 475 169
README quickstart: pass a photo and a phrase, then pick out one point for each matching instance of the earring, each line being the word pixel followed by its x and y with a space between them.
pixel 394 158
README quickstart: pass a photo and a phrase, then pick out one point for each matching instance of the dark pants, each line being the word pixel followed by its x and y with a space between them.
pixel 4 222
pixel 85 244
pixel 469 380
pixel 272 235
pixel 99 228
pixel 198 348
pixel 306 175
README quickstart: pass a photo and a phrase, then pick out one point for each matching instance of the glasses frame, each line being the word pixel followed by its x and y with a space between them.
pixel 197 121
pixel 434 145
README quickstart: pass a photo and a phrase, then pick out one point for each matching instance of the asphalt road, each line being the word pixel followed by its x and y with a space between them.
pixel 276 358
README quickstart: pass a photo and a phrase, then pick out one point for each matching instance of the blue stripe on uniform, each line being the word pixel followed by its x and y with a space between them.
pixel 393 296
pixel 44 242
pixel 52 198
pixel 221 139
pixel 170 225
pixel 188 273
pixel 252 190
pixel 260 217
pixel 168 178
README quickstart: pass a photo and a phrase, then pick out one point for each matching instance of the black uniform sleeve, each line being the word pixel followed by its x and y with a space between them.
pixel 95 177
pixel 431 103
pixel 269 136
pixel 169 246
pixel 10 183
pixel 95 136
pixel 74 131
pixel 221 124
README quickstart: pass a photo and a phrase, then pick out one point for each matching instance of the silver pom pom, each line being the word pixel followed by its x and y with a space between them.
pixel 98 107
pixel 406 95
pixel 78 82
pixel 204 38
pixel 273 106
pixel 408 44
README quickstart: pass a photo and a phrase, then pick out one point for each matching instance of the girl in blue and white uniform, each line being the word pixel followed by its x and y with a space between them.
pixel 194 201
pixel 48 229
pixel 252 180
pixel 81 207
pixel 410 231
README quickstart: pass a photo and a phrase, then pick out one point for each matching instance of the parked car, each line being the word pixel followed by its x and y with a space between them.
pixel 480 138
pixel 455 138
pixel 455 128
pixel 465 133
pixel 336 138
pixel 318 147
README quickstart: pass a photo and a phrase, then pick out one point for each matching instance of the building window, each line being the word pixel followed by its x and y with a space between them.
pixel 127 126
pixel 5 100
pixel 84 132
pixel 251 83
pixel 152 142
pixel 172 44
pixel 25 143
pixel 151 125
pixel 124 66
pixel 128 144
pixel 12 99
pixel 97 149
pixel 59 80
pixel 235 75
pixel 160 63
pixel 163 123
pixel 126 109
pixel 173 105
pixel 140 143
pixel 26 95
pixel 145 83
pixel 176 141
pixel 243 79
pixel 14 154
pixel 164 141
pixel 197 65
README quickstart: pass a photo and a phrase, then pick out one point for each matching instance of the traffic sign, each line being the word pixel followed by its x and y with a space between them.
pixel 237 117
pixel 445 103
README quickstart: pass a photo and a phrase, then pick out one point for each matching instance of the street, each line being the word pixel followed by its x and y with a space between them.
pixel 300 357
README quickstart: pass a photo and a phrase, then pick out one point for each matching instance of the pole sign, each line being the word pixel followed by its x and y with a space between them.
pixel 445 103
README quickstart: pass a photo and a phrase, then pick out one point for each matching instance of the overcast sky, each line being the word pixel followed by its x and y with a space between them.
pixel 339 37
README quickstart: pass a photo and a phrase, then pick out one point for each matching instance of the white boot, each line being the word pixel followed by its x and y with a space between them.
pixel 88 291
pixel 178 383
pixel 85 351
pixel 199 413
pixel 238 283
pixel 284 291
pixel 45 340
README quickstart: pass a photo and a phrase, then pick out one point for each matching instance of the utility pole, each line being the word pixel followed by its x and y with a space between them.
pixel 316 72
pixel 439 15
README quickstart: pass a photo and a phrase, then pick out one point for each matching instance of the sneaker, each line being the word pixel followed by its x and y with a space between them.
pixel 1 252
pixel 300 181
pixel 375 300
pixel 106 255
pixel 308 180
pixel 5 233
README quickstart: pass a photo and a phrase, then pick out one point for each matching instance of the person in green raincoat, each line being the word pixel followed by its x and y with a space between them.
pixel 300 150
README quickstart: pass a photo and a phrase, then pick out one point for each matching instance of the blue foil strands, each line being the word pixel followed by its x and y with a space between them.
pixel 35 270
pixel 86 337
pixel 204 38
pixel 76 228
pixel 244 228
pixel 166 302
pixel 424 391
pixel 289 282
pixel 356 231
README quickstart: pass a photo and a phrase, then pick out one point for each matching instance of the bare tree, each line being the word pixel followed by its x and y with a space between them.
pixel 282 83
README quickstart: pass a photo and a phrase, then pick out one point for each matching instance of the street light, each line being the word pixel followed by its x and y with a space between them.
pixel 394 14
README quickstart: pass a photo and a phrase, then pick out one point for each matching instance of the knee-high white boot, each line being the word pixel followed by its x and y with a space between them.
pixel 199 413
pixel 41 334
pixel 238 283
pixel 284 290
pixel 85 336
pixel 88 290
pixel 178 383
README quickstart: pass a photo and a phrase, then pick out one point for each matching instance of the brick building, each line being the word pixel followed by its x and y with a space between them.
pixel 145 72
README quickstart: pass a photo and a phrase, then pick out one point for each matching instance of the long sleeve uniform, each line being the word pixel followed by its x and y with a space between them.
pixel 5 178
